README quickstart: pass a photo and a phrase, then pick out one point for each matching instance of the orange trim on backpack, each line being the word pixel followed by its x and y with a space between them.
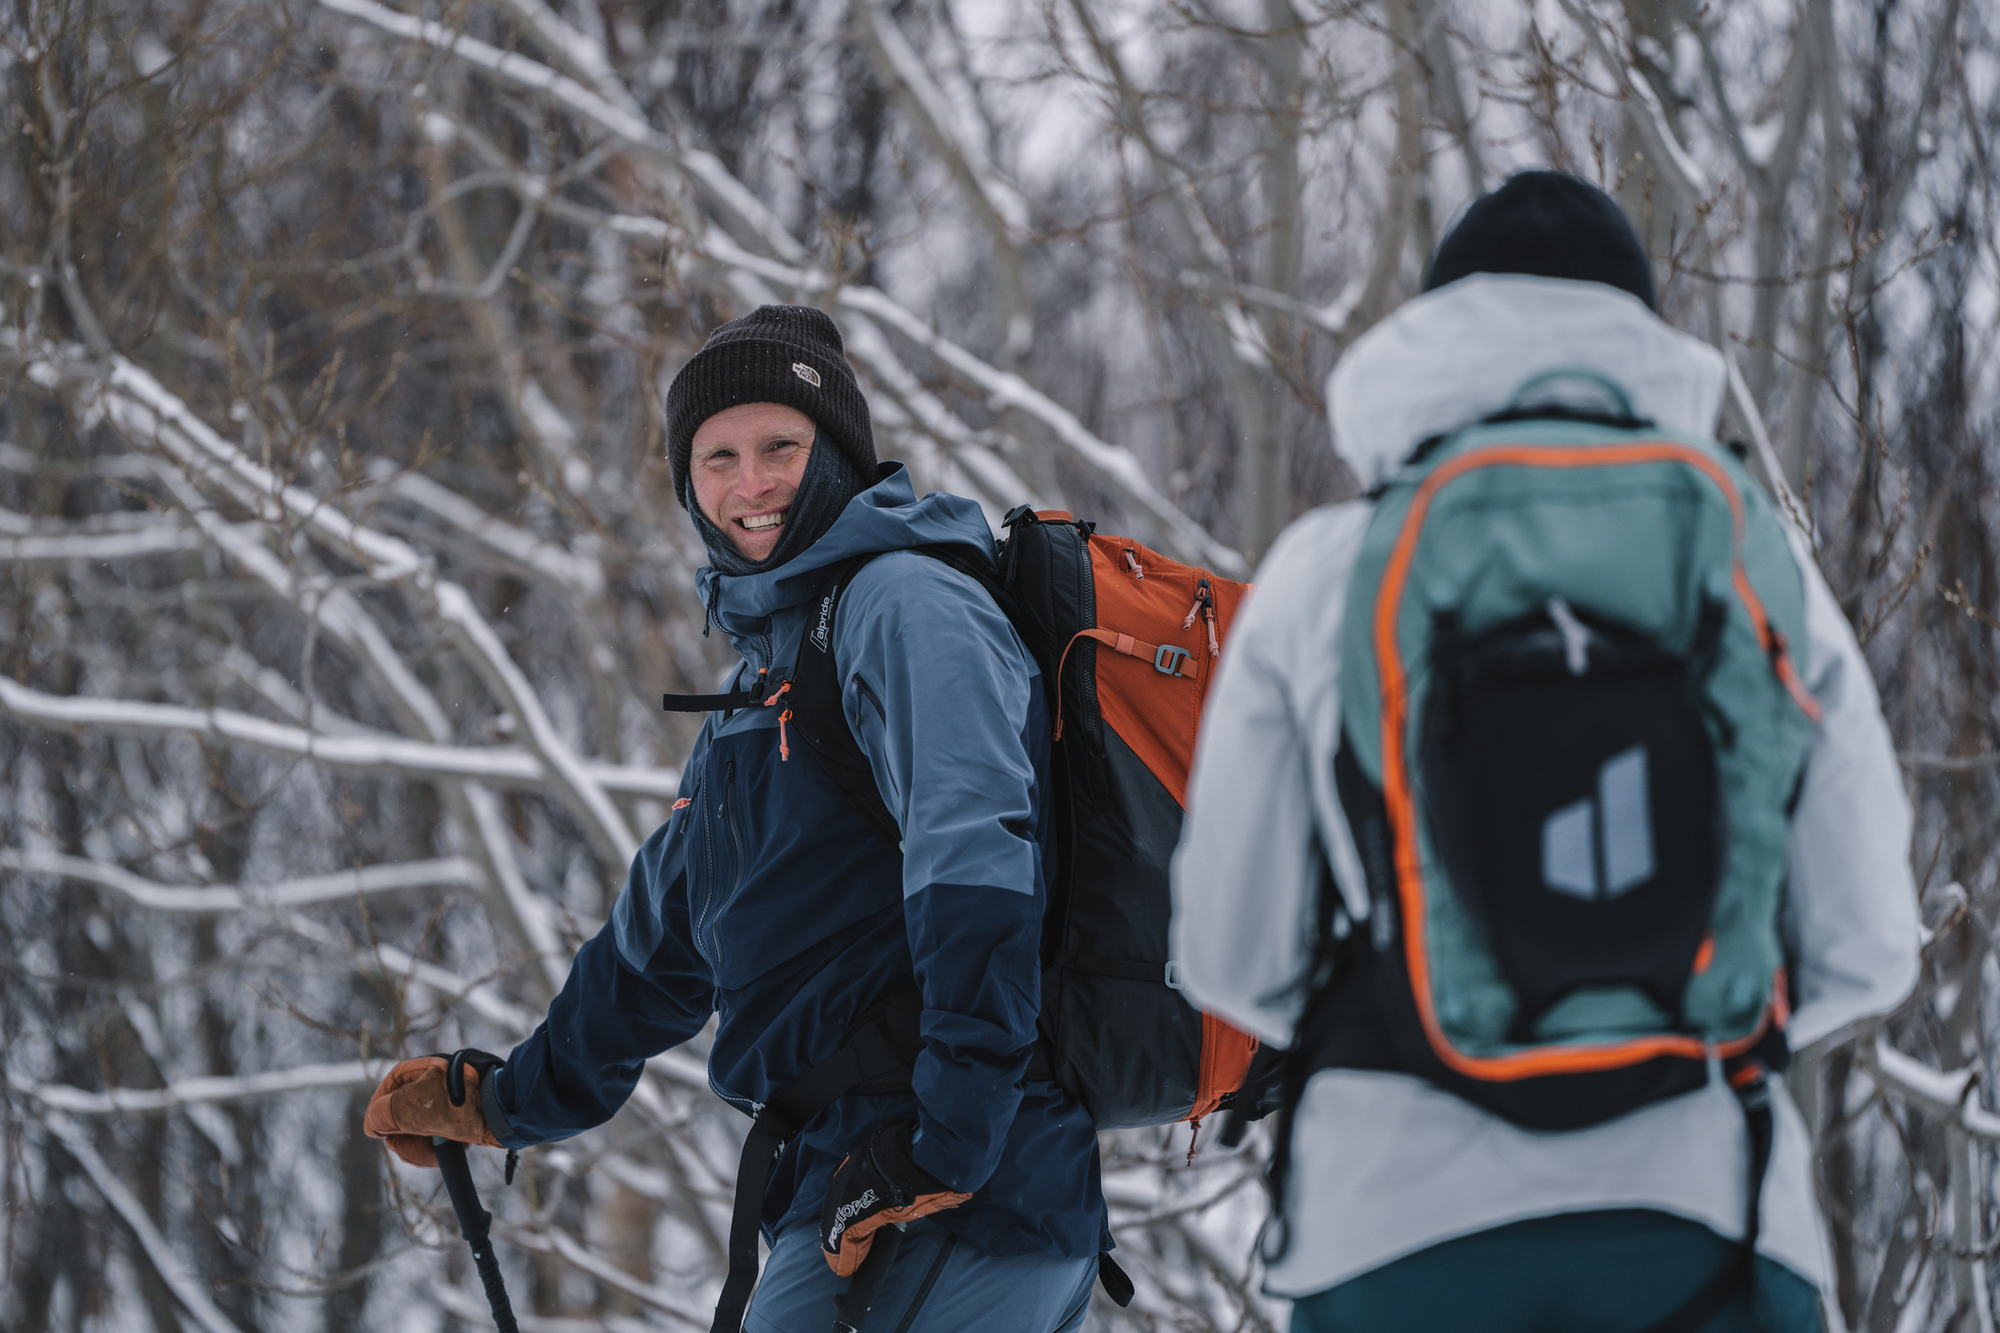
pixel 1401 802
pixel 1225 1063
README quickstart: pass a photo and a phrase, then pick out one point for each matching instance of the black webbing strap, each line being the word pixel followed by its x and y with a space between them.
pixel 868 1059
pixel 1741 1271
pixel 816 684
pixel 714 703
pixel 819 719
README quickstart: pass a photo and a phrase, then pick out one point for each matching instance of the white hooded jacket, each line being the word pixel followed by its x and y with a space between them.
pixel 1387 1164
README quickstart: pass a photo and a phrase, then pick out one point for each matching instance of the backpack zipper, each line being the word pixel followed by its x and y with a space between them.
pixel 1204 606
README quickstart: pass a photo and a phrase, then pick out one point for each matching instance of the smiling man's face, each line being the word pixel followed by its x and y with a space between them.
pixel 744 469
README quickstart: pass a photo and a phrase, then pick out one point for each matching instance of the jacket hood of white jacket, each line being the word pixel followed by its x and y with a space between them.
pixel 1452 356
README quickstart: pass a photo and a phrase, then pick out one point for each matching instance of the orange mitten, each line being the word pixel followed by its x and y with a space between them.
pixel 411 1106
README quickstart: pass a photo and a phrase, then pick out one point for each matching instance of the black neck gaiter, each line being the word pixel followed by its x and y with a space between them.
pixel 829 482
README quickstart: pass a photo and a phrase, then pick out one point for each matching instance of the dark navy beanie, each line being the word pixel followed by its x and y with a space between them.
pixel 1552 225
pixel 789 354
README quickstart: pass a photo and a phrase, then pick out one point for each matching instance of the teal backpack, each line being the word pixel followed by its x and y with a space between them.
pixel 1572 737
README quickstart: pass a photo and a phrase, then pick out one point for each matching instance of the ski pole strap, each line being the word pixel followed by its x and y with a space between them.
pixel 851 1307
pixel 870 1062
pixel 1753 1090
pixel 1117 1285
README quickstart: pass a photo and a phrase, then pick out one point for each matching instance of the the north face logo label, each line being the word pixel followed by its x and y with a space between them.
pixel 806 373
pixel 1603 848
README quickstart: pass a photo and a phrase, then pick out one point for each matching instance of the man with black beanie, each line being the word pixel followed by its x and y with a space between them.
pixel 769 901
pixel 1534 355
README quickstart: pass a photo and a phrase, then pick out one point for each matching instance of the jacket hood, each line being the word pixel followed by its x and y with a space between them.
pixel 887 516
pixel 1454 355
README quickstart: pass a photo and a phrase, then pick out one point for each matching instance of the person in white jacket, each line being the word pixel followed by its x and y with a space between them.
pixel 1407 1207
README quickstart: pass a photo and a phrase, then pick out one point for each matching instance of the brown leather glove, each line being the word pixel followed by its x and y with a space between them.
pixel 872 1188
pixel 411 1105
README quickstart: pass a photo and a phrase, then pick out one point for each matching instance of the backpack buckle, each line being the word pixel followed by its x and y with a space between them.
pixel 1167 659
pixel 1173 975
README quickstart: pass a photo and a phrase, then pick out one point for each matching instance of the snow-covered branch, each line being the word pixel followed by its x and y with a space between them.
pixel 580 1256
pixel 155 1246
pixel 383 754
pixel 202 1091
pixel 1950 1096
pixel 214 900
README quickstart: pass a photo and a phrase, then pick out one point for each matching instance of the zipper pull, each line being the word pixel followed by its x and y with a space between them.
pixel 784 750
pixel 1205 599
pixel 1132 561
pixel 1194 1134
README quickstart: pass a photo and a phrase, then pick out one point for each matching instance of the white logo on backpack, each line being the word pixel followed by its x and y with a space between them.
pixel 1617 825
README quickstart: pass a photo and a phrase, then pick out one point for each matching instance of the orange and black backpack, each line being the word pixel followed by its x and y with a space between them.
pixel 1128 642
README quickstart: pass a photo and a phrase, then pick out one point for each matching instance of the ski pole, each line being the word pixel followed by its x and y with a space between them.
pixel 474 1222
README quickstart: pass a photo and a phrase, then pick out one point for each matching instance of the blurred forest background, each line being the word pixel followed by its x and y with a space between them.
pixel 340 577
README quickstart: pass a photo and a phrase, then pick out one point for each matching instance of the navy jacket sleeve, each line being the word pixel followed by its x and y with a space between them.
pixel 946 703
pixel 635 990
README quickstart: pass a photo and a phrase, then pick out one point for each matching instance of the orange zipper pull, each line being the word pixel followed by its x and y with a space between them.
pixel 1204 601
pixel 784 750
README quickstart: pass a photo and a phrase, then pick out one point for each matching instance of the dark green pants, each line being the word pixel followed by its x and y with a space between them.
pixel 1602 1272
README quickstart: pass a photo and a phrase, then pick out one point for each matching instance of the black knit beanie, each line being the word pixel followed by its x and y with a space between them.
pixel 1549 224
pixel 790 354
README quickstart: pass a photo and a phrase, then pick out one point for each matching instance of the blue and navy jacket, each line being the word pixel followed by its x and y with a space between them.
pixel 767 899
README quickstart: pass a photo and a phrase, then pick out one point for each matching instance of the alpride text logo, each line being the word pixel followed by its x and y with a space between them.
pixel 846 1213
pixel 825 625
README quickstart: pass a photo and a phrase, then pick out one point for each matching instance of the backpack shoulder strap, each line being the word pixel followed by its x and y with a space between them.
pixel 815 709
pixel 815 706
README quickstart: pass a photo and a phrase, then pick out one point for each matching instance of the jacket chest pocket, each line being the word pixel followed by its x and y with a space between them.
pixel 717 872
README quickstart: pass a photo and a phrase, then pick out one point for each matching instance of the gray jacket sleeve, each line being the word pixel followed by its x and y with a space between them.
pixel 1261 793
pixel 1851 920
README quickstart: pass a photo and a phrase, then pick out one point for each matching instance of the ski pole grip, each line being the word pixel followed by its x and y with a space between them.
pixel 473 1220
